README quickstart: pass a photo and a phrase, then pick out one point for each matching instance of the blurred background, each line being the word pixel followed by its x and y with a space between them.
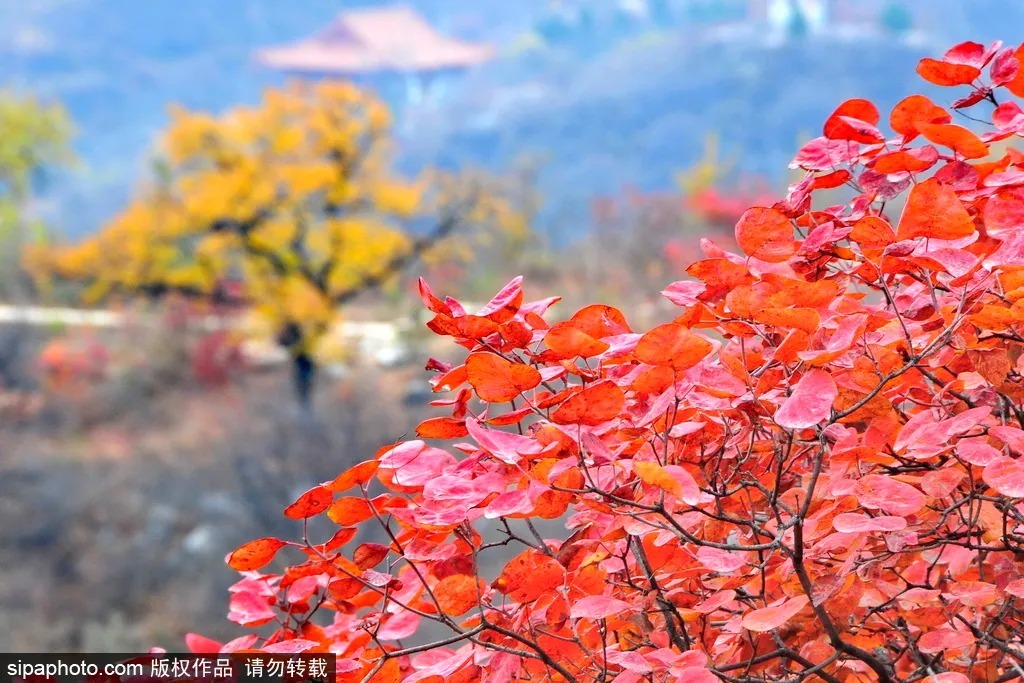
pixel 212 216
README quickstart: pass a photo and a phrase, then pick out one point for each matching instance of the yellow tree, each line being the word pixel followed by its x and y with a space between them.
pixel 34 137
pixel 295 198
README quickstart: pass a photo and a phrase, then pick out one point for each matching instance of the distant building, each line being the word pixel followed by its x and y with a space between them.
pixel 383 46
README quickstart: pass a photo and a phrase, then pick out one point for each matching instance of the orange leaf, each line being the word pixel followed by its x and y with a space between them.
pixel 765 234
pixel 458 593
pixel 913 111
pixel 944 73
pixel 599 321
pixel 596 404
pixel 898 162
pixel 568 341
pixel 310 503
pixel 934 210
pixel 872 232
pixel 497 380
pixel 255 554
pixel 349 511
pixel 806 319
pixel 672 345
pixel 357 475
pixel 442 428
pixel 957 138
pixel 655 475
pixel 450 380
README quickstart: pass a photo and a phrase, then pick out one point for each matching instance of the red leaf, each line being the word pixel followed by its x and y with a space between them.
pixel 505 303
pixel 810 403
pixel 430 301
pixel 1004 213
pixel 934 210
pixel 766 234
pixel 849 128
pixel 971 54
pixel 201 645
pixel 833 179
pixel 1005 67
pixel 944 73
pixel 255 554
pixel 369 555
pixel 310 503
pixel 497 380
pixel 1016 86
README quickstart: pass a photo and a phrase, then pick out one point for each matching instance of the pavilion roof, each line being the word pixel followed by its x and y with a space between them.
pixel 394 38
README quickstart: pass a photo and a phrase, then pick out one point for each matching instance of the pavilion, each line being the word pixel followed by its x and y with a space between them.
pixel 377 42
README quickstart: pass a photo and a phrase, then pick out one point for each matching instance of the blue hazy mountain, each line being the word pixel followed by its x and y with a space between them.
pixel 629 102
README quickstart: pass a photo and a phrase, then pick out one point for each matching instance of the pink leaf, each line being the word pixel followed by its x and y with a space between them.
pixel 948 677
pixel 684 292
pixel 944 639
pixel 599 607
pixel 775 615
pixel 508 294
pixel 415 463
pixel 1006 475
pixel 855 522
pixel 810 403
pixel 891 495
pixel 290 646
pixel 507 447
pixel 630 661
pixel 720 560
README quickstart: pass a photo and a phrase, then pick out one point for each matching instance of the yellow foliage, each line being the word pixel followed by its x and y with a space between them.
pixel 295 197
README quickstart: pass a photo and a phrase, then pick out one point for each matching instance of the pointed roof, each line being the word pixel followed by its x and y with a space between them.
pixel 394 38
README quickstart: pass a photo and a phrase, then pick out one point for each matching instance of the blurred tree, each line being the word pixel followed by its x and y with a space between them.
pixel 896 18
pixel 34 138
pixel 292 202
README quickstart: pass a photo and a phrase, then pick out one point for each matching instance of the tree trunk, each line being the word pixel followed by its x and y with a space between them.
pixel 304 370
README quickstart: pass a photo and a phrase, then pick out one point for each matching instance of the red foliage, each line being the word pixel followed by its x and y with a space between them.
pixel 69 366
pixel 814 472
pixel 718 207
pixel 216 357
